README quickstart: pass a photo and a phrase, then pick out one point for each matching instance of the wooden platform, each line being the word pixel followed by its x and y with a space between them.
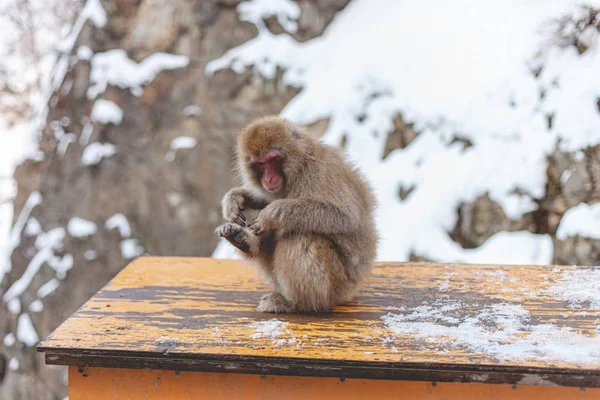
pixel 515 325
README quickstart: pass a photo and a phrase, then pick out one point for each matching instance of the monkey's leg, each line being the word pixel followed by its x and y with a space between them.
pixel 275 302
pixel 309 274
pixel 240 237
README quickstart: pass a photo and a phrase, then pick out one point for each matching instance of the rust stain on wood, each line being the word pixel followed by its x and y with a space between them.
pixel 191 311
pixel 103 383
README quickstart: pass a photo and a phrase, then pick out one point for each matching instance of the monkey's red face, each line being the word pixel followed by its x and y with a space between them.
pixel 268 168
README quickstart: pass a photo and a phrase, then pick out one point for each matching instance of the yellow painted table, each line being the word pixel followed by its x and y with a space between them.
pixel 186 328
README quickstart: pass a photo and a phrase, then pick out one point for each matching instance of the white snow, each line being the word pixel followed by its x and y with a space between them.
pixel 36 306
pixel 578 286
pixel 26 332
pixel 9 340
pixel 286 11
pixel 131 248
pixel 106 112
pixel 13 364
pixel 64 143
pixel 448 68
pixel 84 53
pixel 81 228
pixel 166 341
pixel 14 239
pixel 174 199
pixel 225 250
pixel 537 250
pixel 502 331
pixel 272 329
pixel 46 244
pixel 183 142
pixel 21 284
pixel 48 288
pixel 95 152
pixel 192 110
pixel 14 306
pixel 61 265
pixel 51 239
pixel 33 227
pixel 86 133
pixel 119 221
pixel 114 68
pixel 581 220
pixel 93 11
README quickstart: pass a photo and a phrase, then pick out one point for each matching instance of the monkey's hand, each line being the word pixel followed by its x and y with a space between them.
pixel 266 221
pixel 233 205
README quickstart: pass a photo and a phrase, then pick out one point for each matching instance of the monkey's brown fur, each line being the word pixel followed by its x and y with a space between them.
pixel 314 239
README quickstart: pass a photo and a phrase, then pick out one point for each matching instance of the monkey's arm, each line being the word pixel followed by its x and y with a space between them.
pixel 307 215
pixel 236 201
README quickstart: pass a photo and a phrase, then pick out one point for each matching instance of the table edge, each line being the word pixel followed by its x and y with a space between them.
pixel 316 367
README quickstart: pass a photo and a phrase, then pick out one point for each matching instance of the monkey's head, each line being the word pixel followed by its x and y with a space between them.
pixel 267 150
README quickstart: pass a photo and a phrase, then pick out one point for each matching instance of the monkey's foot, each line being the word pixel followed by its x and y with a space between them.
pixel 243 239
pixel 274 303
pixel 236 235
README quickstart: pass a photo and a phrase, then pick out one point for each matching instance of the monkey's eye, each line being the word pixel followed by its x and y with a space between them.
pixel 259 164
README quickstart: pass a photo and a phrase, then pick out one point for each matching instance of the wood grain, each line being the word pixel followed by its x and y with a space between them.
pixel 199 314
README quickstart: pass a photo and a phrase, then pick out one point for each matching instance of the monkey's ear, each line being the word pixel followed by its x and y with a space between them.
pixel 296 133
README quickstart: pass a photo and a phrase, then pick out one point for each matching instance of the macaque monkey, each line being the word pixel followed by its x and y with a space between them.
pixel 304 215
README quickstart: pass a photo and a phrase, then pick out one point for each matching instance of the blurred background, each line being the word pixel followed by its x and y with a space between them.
pixel 478 124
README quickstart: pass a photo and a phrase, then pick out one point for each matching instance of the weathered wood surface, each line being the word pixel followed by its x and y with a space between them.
pixel 499 324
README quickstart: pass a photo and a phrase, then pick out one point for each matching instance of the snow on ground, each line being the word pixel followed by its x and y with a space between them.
pixel 502 331
pixel 580 287
pixel 272 328
pixel 452 69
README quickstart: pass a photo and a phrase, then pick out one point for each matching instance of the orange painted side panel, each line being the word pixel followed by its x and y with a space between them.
pixel 121 384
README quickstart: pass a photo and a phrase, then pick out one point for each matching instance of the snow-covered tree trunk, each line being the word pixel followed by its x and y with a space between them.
pixel 135 155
